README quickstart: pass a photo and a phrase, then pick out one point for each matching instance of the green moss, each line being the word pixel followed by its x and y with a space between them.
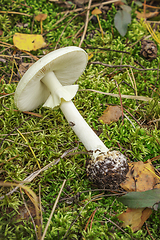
pixel 50 136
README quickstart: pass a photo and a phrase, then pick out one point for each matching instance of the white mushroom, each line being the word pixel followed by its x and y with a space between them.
pixel 48 82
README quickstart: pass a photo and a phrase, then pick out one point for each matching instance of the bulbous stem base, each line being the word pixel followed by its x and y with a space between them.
pixel 108 170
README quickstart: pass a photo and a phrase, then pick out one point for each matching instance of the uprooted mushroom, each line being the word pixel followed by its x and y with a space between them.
pixel 49 82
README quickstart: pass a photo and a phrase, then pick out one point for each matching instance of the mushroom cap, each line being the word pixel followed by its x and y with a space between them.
pixel 67 64
pixel 96 11
pixel 41 17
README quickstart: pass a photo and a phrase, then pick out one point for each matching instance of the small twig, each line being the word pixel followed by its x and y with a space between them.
pixel 6 95
pixel 93 6
pixel 5 49
pixel 88 222
pixel 156 120
pixel 133 117
pixel 141 98
pixel 93 217
pixel 129 120
pixel 134 81
pixel 19 13
pixel 9 160
pixel 25 112
pixel 120 102
pixel 86 23
pixel 108 220
pixel 95 190
pixel 137 42
pixel 32 24
pixel 139 64
pixel 25 5
pixel 119 66
pixel 131 80
pixel 40 208
pixel 149 231
pixel 9 56
pixel 15 134
pixel 25 204
pixel 149 6
pixel 53 209
pixel 106 49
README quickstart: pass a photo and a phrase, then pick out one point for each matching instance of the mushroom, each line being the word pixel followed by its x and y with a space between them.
pixel 48 82
pixel 96 12
pixel 41 17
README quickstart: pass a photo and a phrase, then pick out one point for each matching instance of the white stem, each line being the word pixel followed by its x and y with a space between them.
pixel 61 95
pixel 51 81
pixel 58 91
pixel 83 131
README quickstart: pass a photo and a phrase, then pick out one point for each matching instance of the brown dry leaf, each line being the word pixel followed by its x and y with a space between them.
pixel 28 42
pixel 146 15
pixel 111 114
pixel 135 218
pixel 23 67
pixel 140 177
pixel 22 212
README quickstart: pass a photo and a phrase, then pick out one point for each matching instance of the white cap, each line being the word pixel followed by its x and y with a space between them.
pixel 67 64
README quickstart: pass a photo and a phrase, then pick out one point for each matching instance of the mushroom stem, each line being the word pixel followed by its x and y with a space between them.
pixel 86 135
pixel 100 26
pixel 57 90
pixel 62 95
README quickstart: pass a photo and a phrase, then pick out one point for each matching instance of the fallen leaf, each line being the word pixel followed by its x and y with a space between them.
pixel 135 218
pixel 140 177
pixel 140 183
pixel 28 42
pixel 23 67
pixel 146 15
pixel 90 55
pixel 111 114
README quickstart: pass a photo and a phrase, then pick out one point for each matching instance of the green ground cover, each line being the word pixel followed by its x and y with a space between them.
pixel 50 136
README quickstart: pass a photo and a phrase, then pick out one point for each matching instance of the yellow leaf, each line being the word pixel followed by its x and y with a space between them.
pixel 140 177
pixel 28 42
pixel 135 218
pixel 90 55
